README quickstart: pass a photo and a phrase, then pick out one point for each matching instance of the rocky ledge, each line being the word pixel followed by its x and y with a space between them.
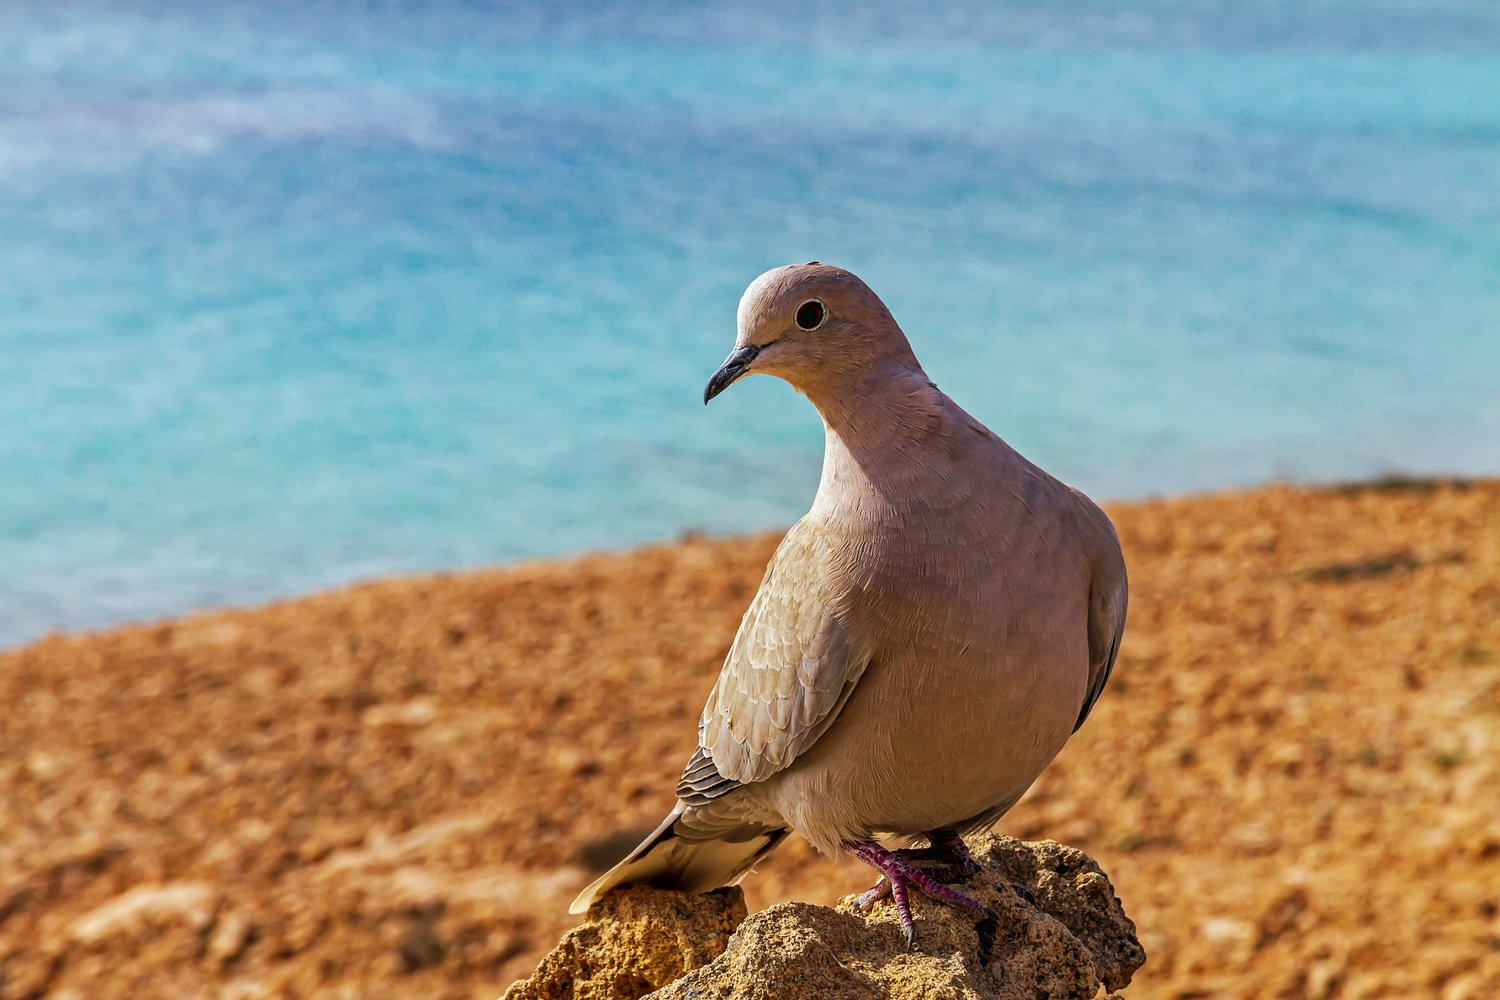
pixel 1064 938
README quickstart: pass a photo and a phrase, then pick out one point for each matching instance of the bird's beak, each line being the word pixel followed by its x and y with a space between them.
pixel 733 367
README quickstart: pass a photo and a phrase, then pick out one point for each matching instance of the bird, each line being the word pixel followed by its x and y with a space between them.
pixel 925 639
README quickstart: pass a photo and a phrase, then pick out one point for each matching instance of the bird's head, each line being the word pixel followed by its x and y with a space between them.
pixel 816 326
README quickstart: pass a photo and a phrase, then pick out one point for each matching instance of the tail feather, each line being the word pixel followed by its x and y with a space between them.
pixel 680 859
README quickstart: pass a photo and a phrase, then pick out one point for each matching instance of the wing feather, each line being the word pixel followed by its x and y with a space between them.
pixel 790 670
pixel 1107 603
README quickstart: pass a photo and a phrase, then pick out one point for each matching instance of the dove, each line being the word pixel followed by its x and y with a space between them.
pixel 924 641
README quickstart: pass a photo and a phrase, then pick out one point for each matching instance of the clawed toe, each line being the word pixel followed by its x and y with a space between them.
pixel 899 873
pixel 872 895
pixel 946 847
pixel 951 873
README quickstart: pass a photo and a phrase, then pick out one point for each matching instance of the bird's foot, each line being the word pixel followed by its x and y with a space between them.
pixel 949 848
pixel 954 850
pixel 899 874
pixel 872 895
pixel 943 873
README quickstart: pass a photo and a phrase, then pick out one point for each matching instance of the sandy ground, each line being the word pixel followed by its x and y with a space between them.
pixel 393 790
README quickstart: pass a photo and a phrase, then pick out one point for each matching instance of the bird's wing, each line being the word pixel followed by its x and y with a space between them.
pixel 1108 596
pixel 789 672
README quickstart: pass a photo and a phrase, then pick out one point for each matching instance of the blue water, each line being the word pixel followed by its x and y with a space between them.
pixel 294 294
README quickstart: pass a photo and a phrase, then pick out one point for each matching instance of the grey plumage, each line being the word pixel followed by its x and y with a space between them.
pixel 925 639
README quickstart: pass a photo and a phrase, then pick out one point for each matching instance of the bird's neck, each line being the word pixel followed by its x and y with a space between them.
pixel 892 435
pixel 889 408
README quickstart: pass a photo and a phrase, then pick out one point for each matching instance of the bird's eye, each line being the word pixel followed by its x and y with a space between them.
pixel 810 314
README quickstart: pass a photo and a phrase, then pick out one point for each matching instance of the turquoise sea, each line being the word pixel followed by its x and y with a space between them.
pixel 293 294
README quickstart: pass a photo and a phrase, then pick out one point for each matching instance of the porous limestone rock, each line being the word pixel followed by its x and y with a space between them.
pixel 1060 934
pixel 633 941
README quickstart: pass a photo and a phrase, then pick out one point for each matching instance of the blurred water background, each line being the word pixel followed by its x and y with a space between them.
pixel 295 294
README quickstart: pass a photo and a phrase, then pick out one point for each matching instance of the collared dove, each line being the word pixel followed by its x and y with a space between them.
pixel 925 639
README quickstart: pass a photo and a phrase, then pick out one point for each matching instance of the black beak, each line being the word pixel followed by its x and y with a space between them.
pixel 733 367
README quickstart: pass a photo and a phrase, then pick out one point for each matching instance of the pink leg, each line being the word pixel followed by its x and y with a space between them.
pixel 946 846
pixel 899 873
pixel 872 895
pixel 949 848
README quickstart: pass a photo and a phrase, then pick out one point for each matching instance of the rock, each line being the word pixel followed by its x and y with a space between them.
pixel 1062 943
pixel 1071 888
pixel 133 912
pixel 634 941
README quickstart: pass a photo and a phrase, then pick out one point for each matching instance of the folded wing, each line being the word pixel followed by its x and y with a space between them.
pixel 792 667
pixel 1108 598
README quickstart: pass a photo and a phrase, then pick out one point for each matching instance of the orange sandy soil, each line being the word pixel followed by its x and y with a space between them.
pixel 394 790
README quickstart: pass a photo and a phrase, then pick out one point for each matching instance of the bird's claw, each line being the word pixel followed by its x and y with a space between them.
pixel 899 873
pixel 872 895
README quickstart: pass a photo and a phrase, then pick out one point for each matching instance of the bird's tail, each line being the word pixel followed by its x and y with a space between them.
pixel 675 857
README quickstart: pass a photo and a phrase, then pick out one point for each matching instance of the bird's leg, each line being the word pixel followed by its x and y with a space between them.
pixel 953 849
pixel 899 873
pixel 949 848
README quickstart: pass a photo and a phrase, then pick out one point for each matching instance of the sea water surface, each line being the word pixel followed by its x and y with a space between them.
pixel 296 294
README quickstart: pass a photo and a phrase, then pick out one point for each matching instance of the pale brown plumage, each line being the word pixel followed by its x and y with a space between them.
pixel 925 639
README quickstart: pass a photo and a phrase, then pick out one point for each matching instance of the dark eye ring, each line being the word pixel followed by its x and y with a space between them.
pixel 810 314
